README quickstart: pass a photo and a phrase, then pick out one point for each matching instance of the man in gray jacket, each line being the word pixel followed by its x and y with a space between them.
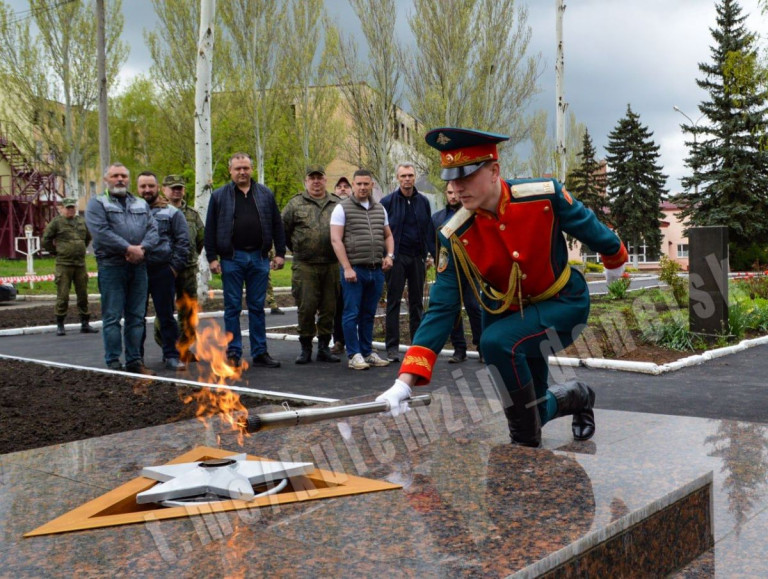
pixel 123 231
pixel 164 265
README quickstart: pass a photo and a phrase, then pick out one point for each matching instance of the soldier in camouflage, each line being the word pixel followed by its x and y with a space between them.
pixel 315 269
pixel 174 190
pixel 67 237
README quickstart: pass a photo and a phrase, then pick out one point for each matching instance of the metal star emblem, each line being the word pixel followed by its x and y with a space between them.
pixel 232 477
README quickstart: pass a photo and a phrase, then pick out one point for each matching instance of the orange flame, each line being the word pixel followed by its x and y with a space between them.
pixel 212 367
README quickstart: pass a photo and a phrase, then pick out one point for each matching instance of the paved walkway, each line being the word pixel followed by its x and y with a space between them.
pixel 732 387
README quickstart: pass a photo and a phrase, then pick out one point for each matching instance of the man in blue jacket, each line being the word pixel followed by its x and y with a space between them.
pixel 124 232
pixel 164 265
pixel 410 218
pixel 242 225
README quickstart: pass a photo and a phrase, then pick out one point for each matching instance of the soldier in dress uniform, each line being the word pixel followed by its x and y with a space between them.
pixel 508 242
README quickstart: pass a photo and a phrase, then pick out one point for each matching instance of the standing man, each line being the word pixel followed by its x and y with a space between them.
pixel 242 225
pixel 123 231
pixel 363 243
pixel 508 241
pixel 174 189
pixel 315 269
pixel 459 341
pixel 163 266
pixel 342 190
pixel 410 218
pixel 67 237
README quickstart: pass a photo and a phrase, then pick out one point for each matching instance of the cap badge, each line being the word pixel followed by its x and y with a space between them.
pixel 442 139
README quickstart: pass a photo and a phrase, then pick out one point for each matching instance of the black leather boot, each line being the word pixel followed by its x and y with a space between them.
pixel 577 399
pixel 323 351
pixel 85 327
pixel 60 326
pixel 523 417
pixel 305 357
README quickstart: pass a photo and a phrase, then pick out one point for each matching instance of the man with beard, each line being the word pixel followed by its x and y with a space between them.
pixel 123 231
pixel 164 265
pixel 458 340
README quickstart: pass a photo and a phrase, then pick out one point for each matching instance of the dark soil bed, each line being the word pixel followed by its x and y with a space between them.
pixel 40 406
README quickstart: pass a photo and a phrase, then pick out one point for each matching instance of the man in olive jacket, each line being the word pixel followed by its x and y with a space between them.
pixel 315 270
pixel 67 237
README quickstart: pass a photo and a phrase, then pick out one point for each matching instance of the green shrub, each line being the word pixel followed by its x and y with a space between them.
pixel 617 290
pixel 593 267
pixel 670 274
pixel 670 331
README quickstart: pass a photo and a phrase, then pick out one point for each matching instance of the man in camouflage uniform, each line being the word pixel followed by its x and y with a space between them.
pixel 174 189
pixel 306 219
pixel 67 237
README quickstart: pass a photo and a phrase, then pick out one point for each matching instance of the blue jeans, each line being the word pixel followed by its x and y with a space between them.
pixel 251 269
pixel 360 301
pixel 123 291
pixel 162 288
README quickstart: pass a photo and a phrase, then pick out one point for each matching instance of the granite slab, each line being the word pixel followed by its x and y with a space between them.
pixel 470 503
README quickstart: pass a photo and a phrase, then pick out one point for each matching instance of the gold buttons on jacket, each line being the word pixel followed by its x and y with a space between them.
pixel 515 254
pixel 525 276
pixel 546 208
pixel 502 227
pixel 465 241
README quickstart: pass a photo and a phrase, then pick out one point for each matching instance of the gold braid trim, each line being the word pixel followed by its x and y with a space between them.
pixel 514 293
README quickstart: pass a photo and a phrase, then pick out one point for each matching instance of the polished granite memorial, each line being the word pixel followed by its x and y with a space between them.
pixel 649 495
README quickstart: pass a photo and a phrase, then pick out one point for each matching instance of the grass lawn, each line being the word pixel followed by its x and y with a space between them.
pixel 46 266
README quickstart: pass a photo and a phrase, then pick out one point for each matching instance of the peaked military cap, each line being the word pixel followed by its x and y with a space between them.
pixel 312 169
pixel 463 151
pixel 174 181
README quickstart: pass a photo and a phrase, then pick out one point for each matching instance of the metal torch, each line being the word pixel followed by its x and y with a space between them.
pixel 260 422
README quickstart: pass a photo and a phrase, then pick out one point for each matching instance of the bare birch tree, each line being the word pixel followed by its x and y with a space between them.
pixel 203 138
pixel 52 75
pixel 371 89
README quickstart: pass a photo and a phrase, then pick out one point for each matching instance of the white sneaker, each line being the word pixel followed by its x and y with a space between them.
pixel 356 362
pixel 374 360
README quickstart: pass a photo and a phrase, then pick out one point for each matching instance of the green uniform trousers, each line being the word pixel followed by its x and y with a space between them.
pixel 314 287
pixel 65 275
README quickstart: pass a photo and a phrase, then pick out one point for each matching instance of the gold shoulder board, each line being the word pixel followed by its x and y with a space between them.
pixel 532 189
pixel 455 222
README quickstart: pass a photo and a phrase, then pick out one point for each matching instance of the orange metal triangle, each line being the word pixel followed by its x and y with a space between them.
pixel 119 507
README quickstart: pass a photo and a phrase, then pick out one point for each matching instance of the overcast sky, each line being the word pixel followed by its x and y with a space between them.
pixel 617 52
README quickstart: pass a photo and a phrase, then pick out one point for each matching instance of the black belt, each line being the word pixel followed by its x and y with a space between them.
pixel 369 265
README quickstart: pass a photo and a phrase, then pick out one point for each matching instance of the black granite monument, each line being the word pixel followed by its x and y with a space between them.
pixel 708 280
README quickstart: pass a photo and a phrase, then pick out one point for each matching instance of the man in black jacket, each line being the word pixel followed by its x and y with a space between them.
pixel 242 225
pixel 410 217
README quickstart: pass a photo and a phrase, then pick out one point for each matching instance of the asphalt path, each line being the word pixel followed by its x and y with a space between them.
pixel 730 387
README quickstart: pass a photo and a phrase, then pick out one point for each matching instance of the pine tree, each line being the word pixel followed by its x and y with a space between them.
pixel 635 184
pixel 727 156
pixel 587 181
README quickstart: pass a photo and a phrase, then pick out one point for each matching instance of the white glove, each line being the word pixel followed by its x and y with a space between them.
pixel 396 397
pixel 611 275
